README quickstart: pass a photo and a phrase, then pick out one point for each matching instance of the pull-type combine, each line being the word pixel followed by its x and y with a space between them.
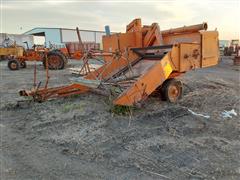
pixel 141 61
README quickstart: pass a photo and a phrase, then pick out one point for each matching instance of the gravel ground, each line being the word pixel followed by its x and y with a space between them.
pixel 79 137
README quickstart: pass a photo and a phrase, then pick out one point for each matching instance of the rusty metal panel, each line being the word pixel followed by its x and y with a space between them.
pixel 147 83
pixel 110 43
pixel 210 50
pixel 174 56
pixel 190 55
pixel 182 38
pixel 140 68
pixel 119 42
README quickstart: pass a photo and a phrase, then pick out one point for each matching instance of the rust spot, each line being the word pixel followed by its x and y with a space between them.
pixel 186 56
pixel 195 53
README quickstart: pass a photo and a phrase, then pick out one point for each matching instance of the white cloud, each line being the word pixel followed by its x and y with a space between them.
pixel 57 2
pixel 180 11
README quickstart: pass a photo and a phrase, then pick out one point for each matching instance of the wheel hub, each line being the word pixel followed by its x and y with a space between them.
pixel 54 61
pixel 13 65
pixel 174 92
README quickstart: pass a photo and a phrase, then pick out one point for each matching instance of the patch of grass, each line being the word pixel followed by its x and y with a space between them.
pixel 117 109
pixel 122 110
pixel 70 106
pixel 74 96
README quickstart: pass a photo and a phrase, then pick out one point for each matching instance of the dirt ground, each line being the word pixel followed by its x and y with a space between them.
pixel 79 138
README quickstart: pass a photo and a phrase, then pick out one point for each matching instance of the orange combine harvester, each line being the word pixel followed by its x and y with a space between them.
pixel 141 61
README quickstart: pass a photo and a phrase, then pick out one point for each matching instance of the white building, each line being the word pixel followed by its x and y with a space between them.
pixel 60 36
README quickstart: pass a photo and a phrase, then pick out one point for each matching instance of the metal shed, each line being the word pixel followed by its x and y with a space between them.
pixel 60 36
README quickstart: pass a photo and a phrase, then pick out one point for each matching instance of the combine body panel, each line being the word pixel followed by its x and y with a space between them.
pixel 145 59
pixel 210 48
pixel 134 26
pixel 151 77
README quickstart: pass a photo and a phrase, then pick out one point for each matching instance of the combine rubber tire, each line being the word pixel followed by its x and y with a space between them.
pixel 172 90
pixel 13 65
pixel 56 61
pixel 23 64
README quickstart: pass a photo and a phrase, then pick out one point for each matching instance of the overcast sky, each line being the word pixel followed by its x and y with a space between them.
pixel 19 16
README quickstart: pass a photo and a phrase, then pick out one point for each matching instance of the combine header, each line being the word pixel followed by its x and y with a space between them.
pixel 141 61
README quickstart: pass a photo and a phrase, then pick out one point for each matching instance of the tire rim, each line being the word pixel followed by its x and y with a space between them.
pixel 174 93
pixel 13 65
pixel 54 62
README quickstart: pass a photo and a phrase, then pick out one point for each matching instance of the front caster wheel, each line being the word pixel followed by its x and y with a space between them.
pixel 172 90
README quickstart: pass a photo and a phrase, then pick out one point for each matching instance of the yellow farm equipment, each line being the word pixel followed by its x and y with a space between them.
pixel 10 51
pixel 141 61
